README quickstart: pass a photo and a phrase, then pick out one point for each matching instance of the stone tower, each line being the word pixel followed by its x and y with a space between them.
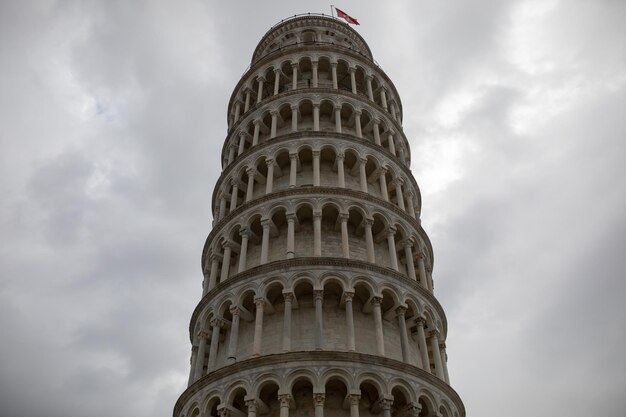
pixel 317 295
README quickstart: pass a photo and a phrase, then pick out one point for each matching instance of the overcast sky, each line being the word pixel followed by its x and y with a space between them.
pixel 112 115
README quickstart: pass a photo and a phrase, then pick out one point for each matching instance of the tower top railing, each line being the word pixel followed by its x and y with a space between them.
pixel 295 16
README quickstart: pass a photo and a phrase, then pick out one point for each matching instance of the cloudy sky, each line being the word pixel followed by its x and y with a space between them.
pixel 112 114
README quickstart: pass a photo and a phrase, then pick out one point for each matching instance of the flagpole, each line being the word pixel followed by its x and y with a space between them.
pixel 332 11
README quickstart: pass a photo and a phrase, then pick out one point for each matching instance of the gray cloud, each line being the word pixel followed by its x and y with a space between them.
pixel 113 113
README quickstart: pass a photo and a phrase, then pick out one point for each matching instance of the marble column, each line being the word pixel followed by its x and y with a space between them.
pixel 250 190
pixel 293 169
pixel 408 253
pixel 383 98
pixel 257 129
pixel 318 403
pixel 258 326
pixel 352 72
pixel 444 361
pixel 287 321
pixel 370 91
pixel 337 111
pixel 276 80
pixel 404 337
pixel 357 123
pixel 234 334
pixel 316 117
pixel 423 347
pixel 294 78
pixel 345 243
pixel 294 118
pixel 216 325
pixel 333 66
pixel 363 174
pixel 348 296
pixel 199 368
pixel 274 124
pixel 341 173
pixel 242 143
pixel 265 241
pixel 369 240
pixel 213 275
pixel 234 194
pixel 409 204
pixel 251 407
pixel 246 105
pixel 319 326
pixel 385 405
pixel 316 168
pixel 391 243
pixel 291 235
pixel 434 346
pixel 226 261
pixel 376 131
pixel 314 65
pixel 354 404
pixel 269 181
pixel 259 95
pixel 378 324
pixel 422 270
pixel 399 196
pixel 383 183
pixel 231 153
pixel 243 252
pixel 317 234
pixel 284 400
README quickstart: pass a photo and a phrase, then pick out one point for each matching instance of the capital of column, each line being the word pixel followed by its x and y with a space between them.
pixel 390 132
pixel 408 242
pixel 251 405
pixel 400 311
pixel 318 294
pixel 434 333
pixel 265 223
pixel 420 321
pixel 223 412
pixel 376 300
pixel 234 310
pixel 245 232
pixel 398 181
pixel 294 107
pixel 414 409
pixel 288 296
pixel 343 217
pixel 274 112
pixel 442 345
pixel 227 244
pixel 354 399
pixel 316 153
pixel 385 403
pixel 317 215
pixel 217 322
pixel 368 222
pixel 348 295
pixel 251 172
pixel 294 64
pixel 259 302
pixel 291 217
pixel 202 335
pixel 316 105
pixel 257 121
pixel 260 78
pixel 318 399
pixel 358 112
pixel 340 155
pixel 284 399
pixel 293 156
pixel 391 231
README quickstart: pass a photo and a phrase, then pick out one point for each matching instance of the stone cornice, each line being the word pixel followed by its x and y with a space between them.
pixel 313 192
pixel 323 357
pixel 309 262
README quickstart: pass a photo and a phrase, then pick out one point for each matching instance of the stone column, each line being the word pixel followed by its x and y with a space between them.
pixel 357 123
pixel 222 212
pixel 291 235
pixel 234 335
pixel 259 95
pixel 317 234
pixel 393 257
pixel 316 168
pixel 341 173
pixel 423 347
pixel 258 326
pixel 354 404
pixel 314 70
pixel 285 400
pixel 383 183
pixel 250 190
pixel 370 92
pixel 378 324
pixel 348 296
pixel 398 182
pixel 213 276
pixel 294 118
pixel 231 153
pixel 276 80
pixel 216 324
pixel 404 337
pixel 287 321
pixel 246 105
pixel 409 204
pixel 414 409
pixel 385 405
pixel 369 240
pixel 429 277
pixel 345 243
pixel 319 341
pixel 316 117
pixel 265 241
pixel 376 132
pixel 422 270
pixel 318 402
pixel 243 253
pixel 274 114
pixel 333 66
pixel 199 369
pixel 434 346
pixel 383 98
pixel 257 128
pixel 352 72
pixel 293 168
pixel 242 143
pixel 392 145
pixel 269 181
pixel 251 407
pixel 337 110
pixel 392 109
pixel 408 253
pixel 234 194
pixel 226 262
pixel 294 78
pixel 237 110
pixel 444 361
pixel 363 174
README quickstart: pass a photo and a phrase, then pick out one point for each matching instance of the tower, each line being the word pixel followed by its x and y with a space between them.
pixel 317 294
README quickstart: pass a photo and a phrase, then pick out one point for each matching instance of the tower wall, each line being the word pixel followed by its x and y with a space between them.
pixel 317 295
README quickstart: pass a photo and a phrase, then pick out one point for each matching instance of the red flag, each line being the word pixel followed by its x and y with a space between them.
pixel 343 15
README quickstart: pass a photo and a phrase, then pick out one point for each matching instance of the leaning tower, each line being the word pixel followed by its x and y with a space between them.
pixel 318 292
